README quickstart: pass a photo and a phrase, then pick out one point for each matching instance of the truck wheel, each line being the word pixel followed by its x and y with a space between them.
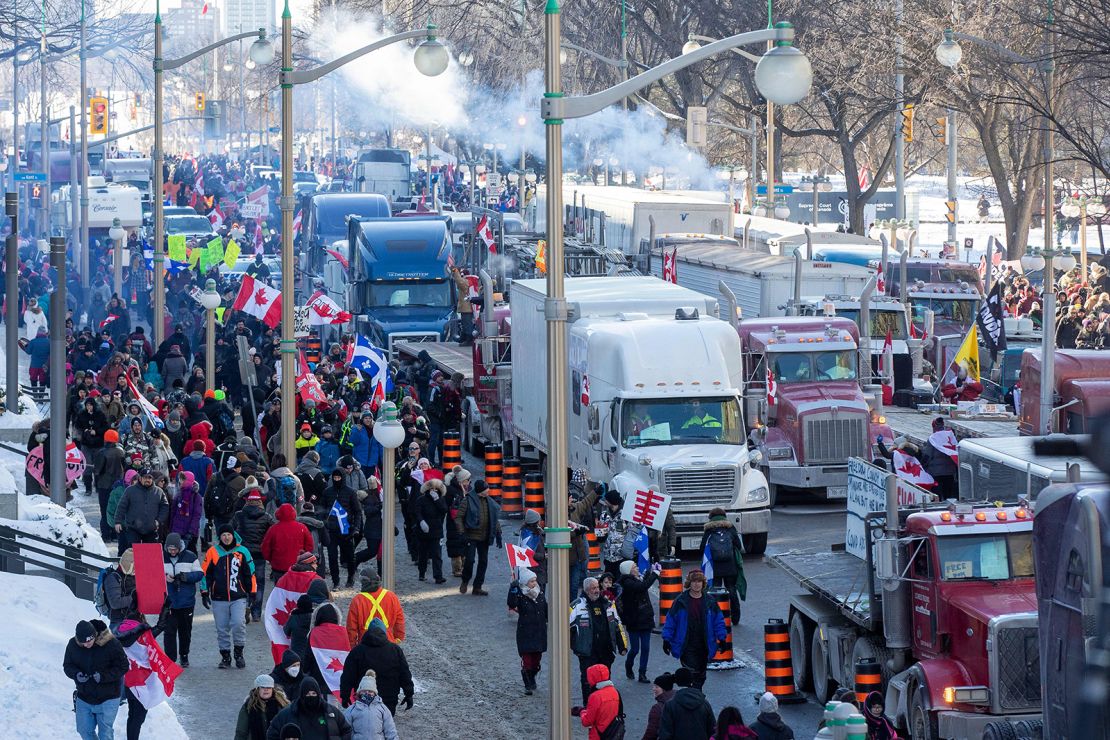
pixel 999 731
pixel 755 544
pixel 772 492
pixel 866 647
pixel 923 723
pixel 823 686
pixel 801 635
pixel 1029 729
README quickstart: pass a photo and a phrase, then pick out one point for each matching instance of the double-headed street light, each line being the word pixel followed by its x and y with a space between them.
pixel 783 76
pixel 431 59
pixel 261 53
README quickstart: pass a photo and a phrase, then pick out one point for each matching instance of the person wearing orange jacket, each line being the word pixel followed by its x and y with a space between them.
pixel 226 588
pixel 604 705
pixel 374 601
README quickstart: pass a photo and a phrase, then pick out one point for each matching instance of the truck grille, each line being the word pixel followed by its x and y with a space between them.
pixel 829 440
pixel 412 338
pixel 1019 668
pixel 700 489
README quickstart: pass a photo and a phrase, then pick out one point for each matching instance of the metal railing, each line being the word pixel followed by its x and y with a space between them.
pixel 75 567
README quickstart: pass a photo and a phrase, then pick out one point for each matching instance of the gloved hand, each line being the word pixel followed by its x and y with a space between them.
pixel 96 676
pixel 656 568
pixel 81 678
pixel 434 495
pixel 205 599
pixel 666 648
pixel 424 526
pixel 408 702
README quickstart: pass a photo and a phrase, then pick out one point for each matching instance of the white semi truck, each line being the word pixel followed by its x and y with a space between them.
pixel 654 398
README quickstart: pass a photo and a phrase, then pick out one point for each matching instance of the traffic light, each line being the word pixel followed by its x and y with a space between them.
pixel 200 101
pixel 950 216
pixel 98 115
pixel 36 196
pixel 942 130
pixel 138 100
pixel 907 123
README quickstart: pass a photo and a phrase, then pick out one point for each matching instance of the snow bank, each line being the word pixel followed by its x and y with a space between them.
pixel 38 615
pixel 41 517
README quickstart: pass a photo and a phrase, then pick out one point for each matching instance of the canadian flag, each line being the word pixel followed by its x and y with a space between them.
pixel 150 673
pixel 297 222
pixel 886 368
pixel 909 469
pixel 585 399
pixel 519 555
pixel 670 266
pixel 280 604
pixel 260 195
pixel 772 386
pixel 324 310
pixel 259 300
pixel 257 238
pixel 216 217
pixel 485 233
pixel 647 507
pixel 880 281
pixel 198 183
pixel 945 441
pixel 330 647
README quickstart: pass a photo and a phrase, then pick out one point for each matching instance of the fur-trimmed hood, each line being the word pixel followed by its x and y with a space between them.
pixel 434 484
pixel 717 523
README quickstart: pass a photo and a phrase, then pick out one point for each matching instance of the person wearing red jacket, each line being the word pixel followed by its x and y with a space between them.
pixel 604 705
pixel 285 541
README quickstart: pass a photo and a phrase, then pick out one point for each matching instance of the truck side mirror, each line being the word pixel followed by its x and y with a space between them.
pixel 593 419
pixel 886 561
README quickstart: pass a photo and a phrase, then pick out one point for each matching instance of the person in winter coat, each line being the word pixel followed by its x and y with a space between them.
pixel 613 551
pixel 182 576
pixel 431 509
pixel 107 469
pixel 769 725
pixel 174 367
pixel 662 688
pixel 878 726
pixel 312 478
pixel 162 460
pixel 38 347
pixel 325 614
pixel 364 448
pixel 328 449
pixel 458 485
pixel 344 524
pixel 284 541
pixel 252 523
pixel 730 726
pixel 143 511
pixel 263 704
pixel 688 716
pixel 580 519
pixel 89 425
pixel 199 464
pixel 287 486
pixel 596 632
pixel 374 602
pixel 727 553
pixel 370 718
pixel 527 600
pixel 96 662
pixel 637 613
pixel 226 589
pixel 939 464
pixel 186 510
pixel 377 653
pixel 371 523
pixel 531 536
pixel 287 673
pixel 311 712
pixel 299 625
pixel 603 707
pixel 222 493
pixel 34 318
pixel 306 440
pixel 114 497
pixel 177 434
pixel 201 431
pixel 695 628
pixel 479 520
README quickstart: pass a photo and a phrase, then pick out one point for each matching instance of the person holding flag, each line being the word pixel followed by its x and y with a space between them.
pixel 527 599
pixel 530 537
pixel 344 524
pixel 463 296
pixel 940 459
pixel 723 559
pixel 961 381
pixel 635 609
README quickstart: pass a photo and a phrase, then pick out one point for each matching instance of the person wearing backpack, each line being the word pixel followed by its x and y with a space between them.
pixel 116 589
pixel 688 716
pixel 287 487
pixel 603 714
pixel 199 464
pixel 223 493
pixel 726 552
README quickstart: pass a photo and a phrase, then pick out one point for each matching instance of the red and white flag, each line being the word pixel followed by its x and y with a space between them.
pixel 198 183
pixel 111 317
pixel 585 399
pixel 485 233
pixel 340 258
pixel 648 508
pixel 297 222
pixel 258 238
pixel 864 177
pixel 330 647
pixel 945 441
pixel 280 604
pixel 880 281
pixel 772 386
pixel 259 300
pixel 216 216
pixel 519 555
pixel 886 369
pixel 308 385
pixel 909 469
pixel 260 195
pixel 150 673
pixel 670 266
pixel 323 311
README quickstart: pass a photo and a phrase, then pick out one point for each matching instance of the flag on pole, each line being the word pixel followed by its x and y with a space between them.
pixel 109 319
pixel 149 411
pixel 643 560
pixel 258 239
pixel 886 368
pixel 198 183
pixel 519 556
pixel 216 217
pixel 330 646
pixel 323 311
pixel 260 195
pixel 485 233
pixel 989 320
pixel 308 386
pixel 646 507
pixel 880 281
pixel 967 356
pixel 339 258
pixel 297 222
pixel 772 386
pixel 371 362
pixel 150 673
pixel 707 563
pixel 670 266
pixel 280 605
pixel 259 300
pixel 340 515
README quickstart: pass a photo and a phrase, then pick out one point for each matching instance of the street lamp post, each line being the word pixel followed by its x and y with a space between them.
pixel 783 76
pixel 261 53
pixel 390 434
pixel 209 298
pixel 431 59
pixel 1080 207
pixel 117 234
pixel 59 421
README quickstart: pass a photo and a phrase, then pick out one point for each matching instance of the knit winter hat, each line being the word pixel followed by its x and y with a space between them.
pixel 226 529
pixel 369 682
pixel 111 436
pixel 173 539
pixel 685 677
pixel 290 732
pixel 307 558
pixel 83 631
pixel 768 704
pixel 665 681
pixel 264 681
pixel 626 567
pixel 377 624
pixel 369 577
pixel 531 516
pixel 524 576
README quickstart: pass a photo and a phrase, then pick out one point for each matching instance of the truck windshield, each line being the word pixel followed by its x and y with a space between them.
pixel 881 322
pixel 805 367
pixel 677 421
pixel 959 311
pixel 411 294
pixel 988 557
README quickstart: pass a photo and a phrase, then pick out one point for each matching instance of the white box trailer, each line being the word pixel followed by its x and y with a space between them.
pixel 653 398
pixel 774 236
pixel 763 284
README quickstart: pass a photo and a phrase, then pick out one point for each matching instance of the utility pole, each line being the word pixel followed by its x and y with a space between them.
pixel 44 131
pixel 11 290
pixel 900 139
pixel 74 210
pixel 953 200
pixel 59 423
pixel 86 247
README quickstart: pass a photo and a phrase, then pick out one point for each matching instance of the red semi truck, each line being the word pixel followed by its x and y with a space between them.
pixel 1081 390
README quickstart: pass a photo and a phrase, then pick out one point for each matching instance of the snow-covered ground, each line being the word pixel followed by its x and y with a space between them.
pixel 39 615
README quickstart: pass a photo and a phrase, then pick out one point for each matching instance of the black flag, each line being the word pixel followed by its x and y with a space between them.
pixel 991 327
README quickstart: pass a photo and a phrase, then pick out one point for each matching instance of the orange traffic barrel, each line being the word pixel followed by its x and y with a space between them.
pixel 724 603
pixel 778 669
pixel 494 471
pixel 512 496
pixel 533 493
pixel 670 585
pixel 594 563
pixel 452 450
pixel 313 348
pixel 869 677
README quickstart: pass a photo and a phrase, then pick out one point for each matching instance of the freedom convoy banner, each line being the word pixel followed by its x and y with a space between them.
pixel 867 493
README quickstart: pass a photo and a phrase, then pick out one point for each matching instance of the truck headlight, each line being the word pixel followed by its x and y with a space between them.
pixel 966 695
pixel 758 495
pixel 779 453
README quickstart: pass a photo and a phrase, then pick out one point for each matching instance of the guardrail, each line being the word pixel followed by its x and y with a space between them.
pixel 78 569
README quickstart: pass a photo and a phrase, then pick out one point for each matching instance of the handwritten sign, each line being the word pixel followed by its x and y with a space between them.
pixel 75 464
pixel 867 494
pixel 301 317
pixel 251 210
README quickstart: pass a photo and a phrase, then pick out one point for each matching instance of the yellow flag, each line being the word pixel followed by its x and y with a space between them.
pixel 541 256
pixel 231 253
pixel 967 357
pixel 178 252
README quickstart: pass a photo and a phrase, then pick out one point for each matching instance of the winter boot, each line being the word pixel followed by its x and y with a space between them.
pixel 456 567
pixel 628 669
pixel 532 678
pixel 184 662
pixel 527 676
pixel 643 678
pixel 462 587
pixel 225 659
pixel 240 661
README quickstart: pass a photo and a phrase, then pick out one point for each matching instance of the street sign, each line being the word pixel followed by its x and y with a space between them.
pixel 780 189
pixel 300 321
pixel 29 176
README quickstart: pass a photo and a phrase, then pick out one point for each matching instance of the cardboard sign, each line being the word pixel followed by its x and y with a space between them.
pixel 251 210
pixel 75 464
pixel 150 577
pixel 866 494
pixel 301 317
pixel 648 508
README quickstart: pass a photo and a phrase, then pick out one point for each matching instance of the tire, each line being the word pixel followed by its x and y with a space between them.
pixel 922 722
pixel 823 685
pixel 801 637
pixel 755 544
pixel 999 731
pixel 867 647
pixel 1029 729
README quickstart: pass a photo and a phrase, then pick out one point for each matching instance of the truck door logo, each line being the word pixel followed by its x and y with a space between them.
pixel 683 216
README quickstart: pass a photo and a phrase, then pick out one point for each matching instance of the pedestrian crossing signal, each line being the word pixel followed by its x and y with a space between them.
pixel 98 115
pixel 36 195
pixel 200 101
